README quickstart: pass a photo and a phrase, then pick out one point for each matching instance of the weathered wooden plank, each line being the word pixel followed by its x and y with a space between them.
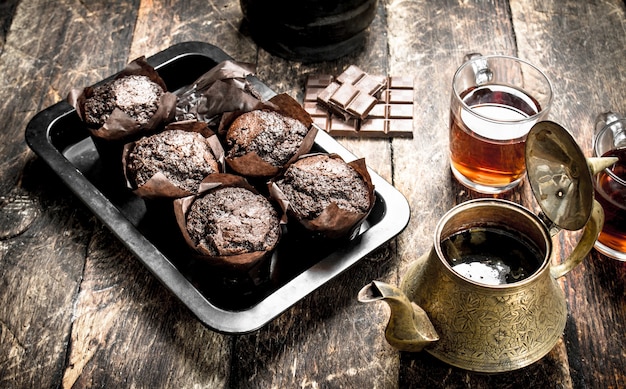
pixel 163 23
pixel 126 322
pixel 41 265
pixel 583 64
pixel 308 345
pixel 42 256
pixel 123 314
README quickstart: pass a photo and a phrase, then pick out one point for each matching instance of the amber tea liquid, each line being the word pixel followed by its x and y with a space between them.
pixel 611 194
pixel 491 152
pixel 492 256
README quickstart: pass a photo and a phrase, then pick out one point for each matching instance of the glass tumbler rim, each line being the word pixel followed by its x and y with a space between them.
pixel 598 153
pixel 544 109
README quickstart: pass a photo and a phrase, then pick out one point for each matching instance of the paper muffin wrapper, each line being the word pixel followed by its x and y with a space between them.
pixel 119 125
pixel 333 222
pixel 251 164
pixel 159 185
pixel 224 88
pixel 238 262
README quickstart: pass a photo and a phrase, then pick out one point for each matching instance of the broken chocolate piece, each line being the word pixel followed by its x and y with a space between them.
pixel 352 95
pixel 327 93
pixel 370 84
pixel 342 98
pixel 389 116
pixel 351 75
pixel 361 103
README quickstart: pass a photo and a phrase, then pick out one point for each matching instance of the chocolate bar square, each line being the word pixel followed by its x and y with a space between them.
pixel 361 103
pixel 389 116
pixel 370 84
pixel 351 75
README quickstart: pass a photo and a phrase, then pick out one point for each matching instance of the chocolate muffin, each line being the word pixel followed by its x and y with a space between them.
pixel 231 221
pixel 185 158
pixel 274 137
pixel 135 95
pixel 314 182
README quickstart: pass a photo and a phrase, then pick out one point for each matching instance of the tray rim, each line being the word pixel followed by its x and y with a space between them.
pixel 393 222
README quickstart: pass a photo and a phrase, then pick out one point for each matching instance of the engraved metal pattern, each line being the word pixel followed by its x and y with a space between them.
pixel 488 329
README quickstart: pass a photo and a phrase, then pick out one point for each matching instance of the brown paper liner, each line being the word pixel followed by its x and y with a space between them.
pixel 120 128
pixel 333 222
pixel 159 186
pixel 219 98
pixel 240 263
pixel 119 125
pixel 224 88
pixel 234 72
pixel 250 164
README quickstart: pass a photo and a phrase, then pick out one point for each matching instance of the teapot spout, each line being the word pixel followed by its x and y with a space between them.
pixel 409 328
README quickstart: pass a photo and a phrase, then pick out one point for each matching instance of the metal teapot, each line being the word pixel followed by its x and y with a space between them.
pixel 476 318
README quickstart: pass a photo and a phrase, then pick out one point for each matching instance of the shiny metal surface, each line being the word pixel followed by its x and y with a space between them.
pixel 559 175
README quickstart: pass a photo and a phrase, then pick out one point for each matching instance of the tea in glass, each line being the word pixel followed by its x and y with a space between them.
pixel 610 192
pixel 495 102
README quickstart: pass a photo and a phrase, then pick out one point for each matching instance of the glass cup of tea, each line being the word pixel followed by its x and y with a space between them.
pixel 495 101
pixel 610 184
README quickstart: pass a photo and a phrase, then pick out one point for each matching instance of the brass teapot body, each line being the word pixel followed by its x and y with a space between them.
pixel 475 326
pixel 500 327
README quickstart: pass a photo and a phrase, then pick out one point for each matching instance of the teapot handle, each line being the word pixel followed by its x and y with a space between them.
pixel 584 246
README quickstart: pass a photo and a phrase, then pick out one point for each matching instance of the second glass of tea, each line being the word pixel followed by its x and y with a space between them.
pixel 495 102
pixel 610 184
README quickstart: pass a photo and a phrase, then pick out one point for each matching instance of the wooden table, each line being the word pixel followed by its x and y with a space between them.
pixel 78 310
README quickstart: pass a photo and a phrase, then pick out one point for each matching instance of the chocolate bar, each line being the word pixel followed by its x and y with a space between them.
pixel 390 116
pixel 353 94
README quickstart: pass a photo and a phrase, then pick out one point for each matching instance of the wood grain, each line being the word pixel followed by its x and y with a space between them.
pixel 422 166
pixel 585 84
pixel 116 296
pixel 77 310
pixel 42 261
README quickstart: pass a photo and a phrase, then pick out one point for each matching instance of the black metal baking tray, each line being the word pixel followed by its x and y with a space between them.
pixel 58 137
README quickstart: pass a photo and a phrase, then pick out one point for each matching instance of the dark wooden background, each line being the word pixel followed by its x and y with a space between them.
pixel 78 310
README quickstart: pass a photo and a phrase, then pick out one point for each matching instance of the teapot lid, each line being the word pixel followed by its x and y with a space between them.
pixel 559 175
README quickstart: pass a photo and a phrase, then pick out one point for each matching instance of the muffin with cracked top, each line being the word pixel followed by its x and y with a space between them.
pixel 229 222
pixel 174 162
pixel 260 143
pixel 135 101
pixel 325 194
pixel 233 232
pixel 232 221
pixel 137 96
pixel 133 104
